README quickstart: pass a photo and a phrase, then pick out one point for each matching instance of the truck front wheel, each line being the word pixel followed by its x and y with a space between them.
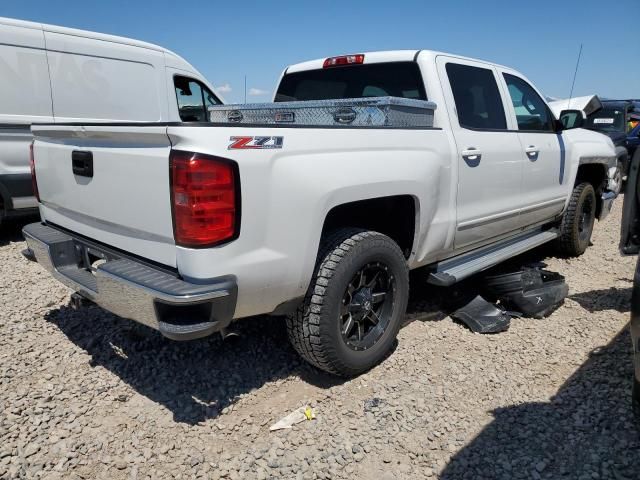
pixel 577 223
pixel 353 310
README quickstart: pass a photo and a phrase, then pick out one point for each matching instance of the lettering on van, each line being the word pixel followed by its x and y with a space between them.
pixel 255 143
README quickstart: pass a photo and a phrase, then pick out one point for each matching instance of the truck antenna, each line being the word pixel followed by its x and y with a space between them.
pixel 245 89
pixel 575 74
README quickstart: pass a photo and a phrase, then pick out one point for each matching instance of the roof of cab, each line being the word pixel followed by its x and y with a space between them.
pixel 384 56
pixel 88 34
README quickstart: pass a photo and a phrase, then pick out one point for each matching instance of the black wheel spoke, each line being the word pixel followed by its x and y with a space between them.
pixel 354 307
pixel 363 279
pixel 348 325
pixel 378 297
pixel 371 283
pixel 373 317
pixel 367 306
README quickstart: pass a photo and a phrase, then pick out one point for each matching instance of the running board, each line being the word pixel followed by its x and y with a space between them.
pixel 452 270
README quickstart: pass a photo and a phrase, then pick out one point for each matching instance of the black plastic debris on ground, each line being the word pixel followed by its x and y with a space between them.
pixel 482 316
pixel 533 291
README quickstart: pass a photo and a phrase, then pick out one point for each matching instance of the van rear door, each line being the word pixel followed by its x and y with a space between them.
pixel 24 98
pixel 94 80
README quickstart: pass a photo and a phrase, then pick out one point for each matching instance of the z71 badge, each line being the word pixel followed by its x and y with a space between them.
pixel 254 143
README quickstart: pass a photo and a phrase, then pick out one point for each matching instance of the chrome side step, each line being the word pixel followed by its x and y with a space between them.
pixel 452 270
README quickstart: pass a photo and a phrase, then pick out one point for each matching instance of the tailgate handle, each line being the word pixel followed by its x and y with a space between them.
pixel 82 163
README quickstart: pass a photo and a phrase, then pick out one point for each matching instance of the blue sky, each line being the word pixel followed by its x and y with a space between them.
pixel 227 40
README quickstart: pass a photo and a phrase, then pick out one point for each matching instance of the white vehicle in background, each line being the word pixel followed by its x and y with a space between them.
pixel 54 74
pixel 317 205
pixel 588 104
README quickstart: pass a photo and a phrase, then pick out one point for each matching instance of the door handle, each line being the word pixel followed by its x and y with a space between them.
pixel 472 154
pixel 82 163
pixel 532 150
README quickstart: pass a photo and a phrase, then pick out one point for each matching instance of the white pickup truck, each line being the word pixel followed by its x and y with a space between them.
pixel 364 167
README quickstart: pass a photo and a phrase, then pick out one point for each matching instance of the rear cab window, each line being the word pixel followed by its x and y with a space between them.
pixel 394 79
pixel 194 99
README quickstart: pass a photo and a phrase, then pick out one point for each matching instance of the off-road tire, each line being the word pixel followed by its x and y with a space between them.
pixel 572 241
pixel 314 329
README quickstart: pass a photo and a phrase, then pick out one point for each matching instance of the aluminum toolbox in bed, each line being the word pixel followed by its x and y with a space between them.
pixel 391 112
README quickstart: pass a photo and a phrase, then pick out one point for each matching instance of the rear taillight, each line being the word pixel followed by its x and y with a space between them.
pixel 32 166
pixel 205 199
pixel 343 60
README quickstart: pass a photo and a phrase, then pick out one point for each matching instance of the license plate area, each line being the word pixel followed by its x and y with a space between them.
pixel 89 258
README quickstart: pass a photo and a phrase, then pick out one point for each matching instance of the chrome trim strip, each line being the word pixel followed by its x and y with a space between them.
pixel 504 215
pixel 105 224
pixel 540 206
pixel 486 220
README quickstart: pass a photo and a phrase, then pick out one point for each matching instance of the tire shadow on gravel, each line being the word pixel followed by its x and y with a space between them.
pixel 605 299
pixel 587 430
pixel 429 303
pixel 195 380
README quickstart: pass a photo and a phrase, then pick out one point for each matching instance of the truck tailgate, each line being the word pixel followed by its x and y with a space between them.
pixel 108 183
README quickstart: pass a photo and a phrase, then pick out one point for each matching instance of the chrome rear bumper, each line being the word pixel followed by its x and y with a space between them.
pixel 132 289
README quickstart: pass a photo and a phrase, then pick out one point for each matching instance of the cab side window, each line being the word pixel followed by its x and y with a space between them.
pixel 477 97
pixel 531 111
pixel 194 99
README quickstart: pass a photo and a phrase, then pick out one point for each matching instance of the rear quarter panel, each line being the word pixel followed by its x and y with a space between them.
pixel 287 193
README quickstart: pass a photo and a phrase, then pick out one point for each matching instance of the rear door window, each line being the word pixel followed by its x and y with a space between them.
pixel 477 98
pixel 395 79
pixel 194 99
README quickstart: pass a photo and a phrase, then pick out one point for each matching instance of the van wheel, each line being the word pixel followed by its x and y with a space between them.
pixel 357 299
pixel 577 223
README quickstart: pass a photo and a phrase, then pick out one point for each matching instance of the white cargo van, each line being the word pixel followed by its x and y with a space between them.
pixel 57 74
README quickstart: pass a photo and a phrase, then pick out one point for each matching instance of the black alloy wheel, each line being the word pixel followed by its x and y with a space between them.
pixel 367 306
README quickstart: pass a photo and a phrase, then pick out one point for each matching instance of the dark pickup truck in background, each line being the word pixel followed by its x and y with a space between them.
pixel 613 119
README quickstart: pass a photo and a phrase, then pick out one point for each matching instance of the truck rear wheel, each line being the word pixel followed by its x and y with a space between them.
pixel 357 299
pixel 577 223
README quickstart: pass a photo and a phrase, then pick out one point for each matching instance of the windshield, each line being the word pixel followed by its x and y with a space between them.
pixel 397 79
pixel 606 120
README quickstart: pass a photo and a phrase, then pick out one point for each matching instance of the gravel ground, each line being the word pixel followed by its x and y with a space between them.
pixel 84 394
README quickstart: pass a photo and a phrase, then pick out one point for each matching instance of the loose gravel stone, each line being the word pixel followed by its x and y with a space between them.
pixel 85 394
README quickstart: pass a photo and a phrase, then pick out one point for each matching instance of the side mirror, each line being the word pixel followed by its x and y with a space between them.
pixel 571 119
